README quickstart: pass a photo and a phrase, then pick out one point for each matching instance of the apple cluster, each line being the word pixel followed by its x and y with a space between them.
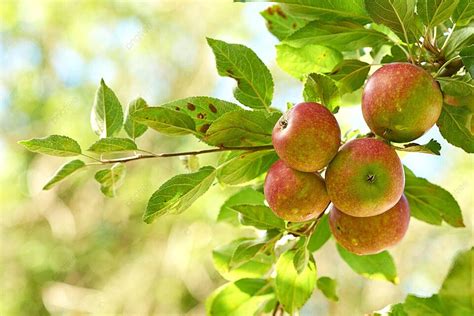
pixel 363 179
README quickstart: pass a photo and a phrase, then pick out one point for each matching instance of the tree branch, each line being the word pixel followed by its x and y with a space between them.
pixel 150 155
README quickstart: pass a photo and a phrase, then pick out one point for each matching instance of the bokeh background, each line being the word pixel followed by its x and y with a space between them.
pixel 72 251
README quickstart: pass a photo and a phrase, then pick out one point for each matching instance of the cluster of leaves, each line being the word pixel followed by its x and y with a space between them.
pixel 322 43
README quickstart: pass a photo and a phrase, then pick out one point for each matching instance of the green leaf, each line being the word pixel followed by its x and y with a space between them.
pixel 240 298
pixel 240 167
pixel 245 196
pixel 106 115
pixel 435 12
pixel 54 145
pixel 327 10
pixel 457 86
pixel 258 216
pixel 328 287
pixel 322 89
pixel 342 36
pixel 254 81
pixel 245 251
pixel 242 128
pixel 112 144
pixel 66 170
pixel 454 124
pixel 398 15
pixel 377 267
pixel 254 268
pixel 431 203
pixel 178 193
pixel 457 291
pixel 396 55
pixel 134 129
pixel 293 289
pixel 432 147
pixel 280 23
pixel 464 12
pixel 350 75
pixel 321 234
pixel 166 121
pixel 421 306
pixel 467 56
pixel 459 39
pixel 203 110
pixel 300 62
pixel 301 257
pixel 111 179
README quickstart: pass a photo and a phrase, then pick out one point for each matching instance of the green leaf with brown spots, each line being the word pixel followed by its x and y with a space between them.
pixel 280 23
pixel 431 203
pixel 254 81
pixel 203 110
pixel 166 121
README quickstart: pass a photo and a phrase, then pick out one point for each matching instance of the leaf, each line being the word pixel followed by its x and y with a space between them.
pixel 342 36
pixel 454 125
pixel 245 196
pixel 398 15
pixel 396 55
pixel 134 129
pixel 178 193
pixel 464 12
pixel 293 289
pixel 254 268
pixel 54 145
pixel 106 115
pixel 350 75
pixel 166 121
pixel 457 291
pixel 322 89
pixel 421 306
pixel 432 147
pixel 467 56
pixel 66 170
pixel 328 10
pixel 377 267
pixel 300 62
pixel 203 110
pixel 242 128
pixel 254 81
pixel 258 216
pixel 112 144
pixel 459 39
pixel 243 297
pixel 281 23
pixel 321 234
pixel 111 179
pixel 328 287
pixel 431 203
pixel 240 167
pixel 435 12
pixel 457 86
pixel 301 257
pixel 245 251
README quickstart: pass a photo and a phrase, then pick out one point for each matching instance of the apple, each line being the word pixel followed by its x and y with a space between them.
pixel 369 235
pixel 365 178
pixel 307 137
pixel 401 101
pixel 293 195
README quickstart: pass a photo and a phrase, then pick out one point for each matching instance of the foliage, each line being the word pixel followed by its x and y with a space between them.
pixel 327 50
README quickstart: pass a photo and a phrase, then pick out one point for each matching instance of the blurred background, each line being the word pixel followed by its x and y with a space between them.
pixel 72 251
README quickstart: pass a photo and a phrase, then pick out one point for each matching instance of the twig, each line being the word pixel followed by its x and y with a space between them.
pixel 150 155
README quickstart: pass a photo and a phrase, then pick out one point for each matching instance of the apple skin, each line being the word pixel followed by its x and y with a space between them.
pixel 401 101
pixel 293 195
pixel 369 235
pixel 307 137
pixel 365 178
